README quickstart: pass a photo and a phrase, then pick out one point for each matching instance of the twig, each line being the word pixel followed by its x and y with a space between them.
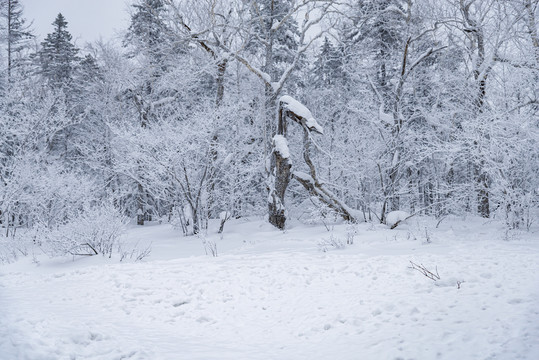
pixel 79 247
pixel 423 270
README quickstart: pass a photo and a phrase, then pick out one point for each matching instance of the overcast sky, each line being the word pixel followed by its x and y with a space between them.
pixel 88 20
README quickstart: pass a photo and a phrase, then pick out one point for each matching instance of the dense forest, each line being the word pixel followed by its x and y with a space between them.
pixel 234 108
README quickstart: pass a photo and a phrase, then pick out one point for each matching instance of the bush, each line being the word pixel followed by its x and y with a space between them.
pixel 331 243
pixel 96 230
pixel 319 212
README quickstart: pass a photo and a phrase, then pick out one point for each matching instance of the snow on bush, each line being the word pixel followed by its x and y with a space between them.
pixel 95 230
pixel 210 246
pixel 351 232
pixel 12 248
pixel 318 212
pixel 331 243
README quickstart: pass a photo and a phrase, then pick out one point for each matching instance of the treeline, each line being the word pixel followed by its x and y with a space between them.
pixel 426 106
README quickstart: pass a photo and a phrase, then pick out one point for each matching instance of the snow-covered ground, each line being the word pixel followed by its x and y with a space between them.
pixel 276 295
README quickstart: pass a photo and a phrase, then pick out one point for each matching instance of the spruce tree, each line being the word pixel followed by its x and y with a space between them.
pixel 327 69
pixel 89 70
pixel 17 32
pixel 146 33
pixel 58 56
pixel 278 46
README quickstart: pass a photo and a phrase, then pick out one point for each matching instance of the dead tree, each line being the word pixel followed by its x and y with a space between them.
pixel 281 166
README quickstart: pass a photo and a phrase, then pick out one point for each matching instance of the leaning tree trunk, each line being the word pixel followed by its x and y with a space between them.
pixel 315 187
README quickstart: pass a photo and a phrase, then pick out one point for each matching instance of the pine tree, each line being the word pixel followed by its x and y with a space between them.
pixel 379 27
pixel 58 56
pixel 278 45
pixel 89 70
pixel 327 66
pixel 17 32
pixel 147 32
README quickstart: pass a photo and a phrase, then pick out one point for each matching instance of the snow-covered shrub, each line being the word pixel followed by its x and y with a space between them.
pixel 427 235
pixel 135 253
pixel 11 250
pixel 210 246
pixel 223 216
pixel 351 232
pixel 331 243
pixel 319 212
pixel 512 234
pixel 420 231
pixel 517 210
pixel 96 230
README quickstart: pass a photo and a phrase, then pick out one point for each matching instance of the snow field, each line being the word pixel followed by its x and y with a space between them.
pixel 275 296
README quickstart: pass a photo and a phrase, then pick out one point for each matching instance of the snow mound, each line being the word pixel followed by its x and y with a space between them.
pixel 395 216
pixel 281 146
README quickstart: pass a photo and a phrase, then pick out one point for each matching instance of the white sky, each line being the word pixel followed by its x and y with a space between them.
pixel 88 20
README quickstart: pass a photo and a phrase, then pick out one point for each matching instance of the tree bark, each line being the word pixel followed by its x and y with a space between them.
pixel 279 178
pixel 480 76
pixel 532 29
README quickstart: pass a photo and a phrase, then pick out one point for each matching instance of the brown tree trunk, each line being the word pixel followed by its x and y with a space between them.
pixel 277 210
pixel 532 29
pixel 140 205
pixel 279 178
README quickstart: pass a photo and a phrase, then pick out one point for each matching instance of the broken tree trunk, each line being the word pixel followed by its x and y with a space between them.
pixel 281 166
pixel 279 175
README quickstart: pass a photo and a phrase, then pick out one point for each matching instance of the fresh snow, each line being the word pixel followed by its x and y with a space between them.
pixel 224 215
pixel 385 117
pixel 303 176
pixel 275 295
pixel 281 146
pixel 395 216
pixel 302 111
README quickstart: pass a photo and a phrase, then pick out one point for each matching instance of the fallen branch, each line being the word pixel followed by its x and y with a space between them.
pixel 423 270
pixel 79 247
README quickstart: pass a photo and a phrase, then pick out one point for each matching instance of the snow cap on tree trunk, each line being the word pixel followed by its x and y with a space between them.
pixel 281 146
pixel 301 110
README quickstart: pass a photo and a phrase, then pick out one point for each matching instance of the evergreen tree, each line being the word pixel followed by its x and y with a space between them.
pixel 328 66
pixel 146 33
pixel 17 32
pixel 379 31
pixel 89 70
pixel 58 56
pixel 278 45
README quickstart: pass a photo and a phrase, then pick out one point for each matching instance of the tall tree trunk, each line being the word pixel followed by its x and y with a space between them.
pixel 481 72
pixel 532 29
pixel 9 39
pixel 214 144
pixel 140 204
